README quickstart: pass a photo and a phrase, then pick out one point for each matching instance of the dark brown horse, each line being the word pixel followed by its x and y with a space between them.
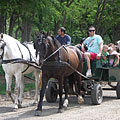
pixel 53 58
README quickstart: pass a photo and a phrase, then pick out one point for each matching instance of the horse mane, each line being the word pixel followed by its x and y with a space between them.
pixel 1 35
pixel 9 38
pixel 47 35
pixel 56 42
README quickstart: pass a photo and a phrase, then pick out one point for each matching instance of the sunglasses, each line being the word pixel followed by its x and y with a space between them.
pixel 91 30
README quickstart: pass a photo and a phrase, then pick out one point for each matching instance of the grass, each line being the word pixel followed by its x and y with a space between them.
pixel 2 89
pixel 27 87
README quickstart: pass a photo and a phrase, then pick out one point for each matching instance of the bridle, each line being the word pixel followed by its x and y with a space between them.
pixel 3 48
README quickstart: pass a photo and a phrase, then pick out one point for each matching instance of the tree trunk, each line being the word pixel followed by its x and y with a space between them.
pixel 99 15
pixel 16 32
pixel 26 31
pixel 29 31
pixel 64 18
pixel 12 23
pixel 71 28
pixel 2 23
pixel 56 26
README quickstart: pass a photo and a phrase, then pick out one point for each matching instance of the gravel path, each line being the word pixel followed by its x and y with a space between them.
pixel 108 110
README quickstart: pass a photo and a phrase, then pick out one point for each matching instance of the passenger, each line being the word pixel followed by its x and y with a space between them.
pixel 95 45
pixel 118 46
pixel 111 45
pixel 115 61
pixel 104 55
pixel 80 45
pixel 63 38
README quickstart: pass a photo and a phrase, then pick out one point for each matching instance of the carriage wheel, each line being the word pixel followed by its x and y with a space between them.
pixel 118 90
pixel 51 92
pixel 96 94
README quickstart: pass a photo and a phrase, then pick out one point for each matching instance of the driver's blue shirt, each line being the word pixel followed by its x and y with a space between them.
pixel 66 40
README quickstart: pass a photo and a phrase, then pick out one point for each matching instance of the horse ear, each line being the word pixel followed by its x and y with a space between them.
pixel 52 37
pixel 34 45
pixel 43 32
pixel 48 33
pixel 1 35
pixel 36 33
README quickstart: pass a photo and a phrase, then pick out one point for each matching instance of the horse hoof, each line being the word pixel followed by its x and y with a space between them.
pixel 19 106
pixel 38 113
pixel 60 110
pixel 15 110
pixel 34 104
pixel 80 99
pixel 64 107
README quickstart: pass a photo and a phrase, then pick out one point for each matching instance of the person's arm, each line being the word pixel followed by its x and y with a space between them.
pixel 68 40
pixel 104 57
pixel 83 44
pixel 117 61
pixel 100 48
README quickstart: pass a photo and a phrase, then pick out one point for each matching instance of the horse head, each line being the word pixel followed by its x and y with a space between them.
pixel 2 47
pixel 44 45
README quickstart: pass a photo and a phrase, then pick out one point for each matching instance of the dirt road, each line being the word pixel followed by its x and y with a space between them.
pixel 108 110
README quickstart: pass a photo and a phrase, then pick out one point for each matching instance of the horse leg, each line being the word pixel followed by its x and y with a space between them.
pixel 65 104
pixel 21 91
pixel 38 80
pixel 61 80
pixel 16 91
pixel 8 85
pixel 42 92
pixel 80 98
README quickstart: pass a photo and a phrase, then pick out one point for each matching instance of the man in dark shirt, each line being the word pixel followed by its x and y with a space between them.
pixel 63 38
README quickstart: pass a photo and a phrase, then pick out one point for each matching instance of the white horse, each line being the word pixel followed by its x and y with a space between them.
pixel 11 50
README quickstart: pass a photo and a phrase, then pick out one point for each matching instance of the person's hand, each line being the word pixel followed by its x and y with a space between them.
pixel 114 65
pixel 98 56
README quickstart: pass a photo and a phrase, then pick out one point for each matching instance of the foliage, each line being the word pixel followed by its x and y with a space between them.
pixel 48 15
pixel 1 70
pixel 28 87
pixel 75 15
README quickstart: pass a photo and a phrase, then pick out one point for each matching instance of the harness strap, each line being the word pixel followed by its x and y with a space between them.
pixel 30 57
pixel 53 53
pixel 19 50
pixel 17 60
pixel 25 69
pixel 28 51
pixel 66 62
pixel 68 54
pixel 56 63
pixel 76 71
pixel 10 60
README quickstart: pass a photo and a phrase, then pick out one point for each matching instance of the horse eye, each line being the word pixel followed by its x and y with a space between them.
pixel 39 43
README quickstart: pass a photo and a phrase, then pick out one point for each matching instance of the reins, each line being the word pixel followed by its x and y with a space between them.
pixel 20 60
pixel 17 59
pixel 76 70
pixel 65 62
pixel 53 53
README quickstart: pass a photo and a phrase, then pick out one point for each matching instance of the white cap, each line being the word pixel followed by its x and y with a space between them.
pixel 110 48
pixel 118 42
